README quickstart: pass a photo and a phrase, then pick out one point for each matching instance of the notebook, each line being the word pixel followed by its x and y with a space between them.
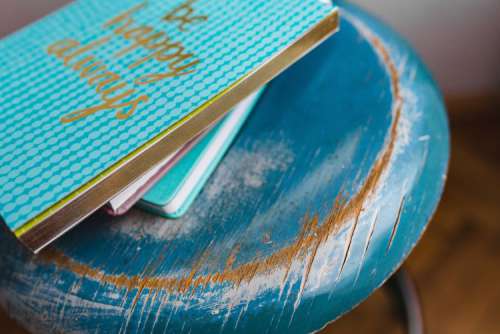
pixel 95 95
pixel 172 185
pixel 172 195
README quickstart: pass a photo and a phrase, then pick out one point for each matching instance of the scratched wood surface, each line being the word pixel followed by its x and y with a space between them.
pixel 325 192
pixel 462 240
pixel 456 266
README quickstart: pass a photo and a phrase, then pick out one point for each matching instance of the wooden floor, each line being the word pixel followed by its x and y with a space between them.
pixel 457 264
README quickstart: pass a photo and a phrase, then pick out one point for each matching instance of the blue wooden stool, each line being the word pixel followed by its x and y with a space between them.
pixel 327 189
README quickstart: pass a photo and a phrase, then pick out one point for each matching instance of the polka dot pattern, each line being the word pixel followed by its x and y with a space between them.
pixel 43 160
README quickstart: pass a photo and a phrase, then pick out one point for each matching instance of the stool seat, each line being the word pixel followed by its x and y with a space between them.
pixel 323 195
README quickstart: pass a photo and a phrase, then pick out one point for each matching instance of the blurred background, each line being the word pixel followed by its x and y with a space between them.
pixel 458 39
pixel 457 264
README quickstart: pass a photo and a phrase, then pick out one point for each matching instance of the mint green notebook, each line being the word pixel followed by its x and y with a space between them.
pixel 173 194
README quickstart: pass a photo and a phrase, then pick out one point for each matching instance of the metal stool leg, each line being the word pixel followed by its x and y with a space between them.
pixel 405 292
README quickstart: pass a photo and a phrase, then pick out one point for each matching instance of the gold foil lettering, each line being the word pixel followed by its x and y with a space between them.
pixel 106 83
pixel 162 48
pixel 116 94
pixel 184 15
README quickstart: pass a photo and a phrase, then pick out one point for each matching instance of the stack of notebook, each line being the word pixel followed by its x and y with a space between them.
pixel 111 104
pixel 170 187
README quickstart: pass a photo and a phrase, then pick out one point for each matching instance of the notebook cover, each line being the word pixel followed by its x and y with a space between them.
pixel 96 93
pixel 160 197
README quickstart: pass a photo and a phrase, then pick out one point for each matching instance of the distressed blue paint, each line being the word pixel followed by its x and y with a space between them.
pixel 318 129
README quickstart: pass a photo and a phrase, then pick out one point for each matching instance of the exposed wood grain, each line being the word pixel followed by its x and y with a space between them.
pixel 312 236
pixel 396 223
pixel 367 244
pixel 323 243
pixel 456 265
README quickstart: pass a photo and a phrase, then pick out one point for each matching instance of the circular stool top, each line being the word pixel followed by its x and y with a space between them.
pixel 326 190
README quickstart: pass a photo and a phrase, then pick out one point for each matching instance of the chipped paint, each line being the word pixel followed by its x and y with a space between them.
pixel 368 240
pixel 396 223
pixel 160 276
pixel 306 245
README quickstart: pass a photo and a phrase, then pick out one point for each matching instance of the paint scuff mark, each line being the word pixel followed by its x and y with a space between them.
pixel 396 223
pixel 304 248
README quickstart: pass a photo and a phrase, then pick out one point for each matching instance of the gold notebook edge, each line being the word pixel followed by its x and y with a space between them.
pixel 67 213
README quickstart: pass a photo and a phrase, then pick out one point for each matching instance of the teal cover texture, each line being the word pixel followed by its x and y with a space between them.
pixel 88 86
pixel 164 191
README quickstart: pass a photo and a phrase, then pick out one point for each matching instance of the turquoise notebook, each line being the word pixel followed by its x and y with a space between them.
pixel 172 195
pixel 96 94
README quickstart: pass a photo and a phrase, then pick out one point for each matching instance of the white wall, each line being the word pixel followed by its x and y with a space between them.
pixel 16 13
pixel 459 39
